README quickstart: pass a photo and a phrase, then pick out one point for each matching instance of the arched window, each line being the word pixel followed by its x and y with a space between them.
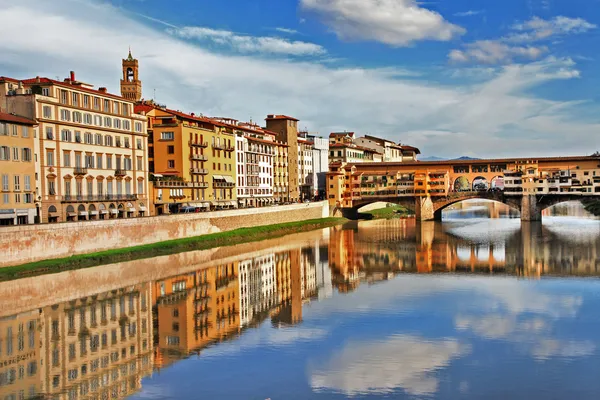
pixel 130 75
pixel 51 209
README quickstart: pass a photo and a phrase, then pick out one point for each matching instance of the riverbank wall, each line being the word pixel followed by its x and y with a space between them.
pixel 28 243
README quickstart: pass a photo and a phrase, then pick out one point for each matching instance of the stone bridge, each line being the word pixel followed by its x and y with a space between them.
pixel 429 208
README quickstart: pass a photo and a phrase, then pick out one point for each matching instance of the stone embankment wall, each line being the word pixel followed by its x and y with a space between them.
pixel 28 243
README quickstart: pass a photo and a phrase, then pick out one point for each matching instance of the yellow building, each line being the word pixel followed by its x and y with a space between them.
pixel 286 129
pixel 91 148
pixel 192 159
pixel 17 170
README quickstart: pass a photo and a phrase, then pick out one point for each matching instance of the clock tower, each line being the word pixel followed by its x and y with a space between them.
pixel 131 86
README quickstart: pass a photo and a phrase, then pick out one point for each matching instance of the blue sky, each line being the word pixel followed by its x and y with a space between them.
pixel 485 78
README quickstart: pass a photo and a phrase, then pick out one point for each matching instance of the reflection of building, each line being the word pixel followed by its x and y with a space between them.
pixel 101 344
pixel 289 311
pixel 258 287
pixel 20 356
pixel 194 310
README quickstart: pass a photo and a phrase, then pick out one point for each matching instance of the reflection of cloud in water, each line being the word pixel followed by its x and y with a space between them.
pixel 484 230
pixel 573 230
pixel 482 253
pixel 496 326
pixel 463 252
pixel 549 348
pixel 266 336
pixel 498 293
pixel 400 361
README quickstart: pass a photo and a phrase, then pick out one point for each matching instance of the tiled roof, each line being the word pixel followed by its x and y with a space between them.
pixel 48 81
pixel 334 134
pixel 411 148
pixel 5 117
pixel 280 116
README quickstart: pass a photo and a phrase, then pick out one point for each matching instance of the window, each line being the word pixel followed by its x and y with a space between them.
pixel 4 153
pixel 99 187
pixel 108 122
pixel 167 135
pixel 108 140
pixel 50 158
pixel 65 115
pixel 87 119
pixel 126 125
pixel 115 108
pixel 106 106
pixel 99 161
pixel 170 149
pixel 97 120
pixel 125 109
pixel 17 182
pixel 171 164
pixel 98 139
pixel 138 127
pixel 109 161
pixel 139 144
pixel 27 183
pixel 75 99
pixel 77 117
pixel 5 182
pixel 77 136
pixel 127 142
pixel 88 138
pixel 127 187
pixel 26 151
pixel 49 133
pixel 67 158
pixel 172 340
pixel 140 187
pixel 139 163
pixel 65 135
pixel 15 154
pixel 24 131
pixel 45 91
pixel 3 129
pixel 96 103
pixel 117 123
pixel 64 97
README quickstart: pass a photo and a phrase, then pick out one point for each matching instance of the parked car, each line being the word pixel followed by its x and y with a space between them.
pixel 188 209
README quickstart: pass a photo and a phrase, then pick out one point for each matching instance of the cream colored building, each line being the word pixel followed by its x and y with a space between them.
pixel 91 148
pixel 17 170
pixel 305 169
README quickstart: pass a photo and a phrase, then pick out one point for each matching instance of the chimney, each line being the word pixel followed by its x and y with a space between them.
pixel 193 115
pixel 72 76
pixel 102 90
pixel 37 79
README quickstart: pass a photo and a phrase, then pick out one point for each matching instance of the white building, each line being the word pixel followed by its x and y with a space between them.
pixel 320 162
pixel 257 286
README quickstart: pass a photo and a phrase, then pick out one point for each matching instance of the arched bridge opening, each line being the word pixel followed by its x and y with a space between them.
pixel 515 206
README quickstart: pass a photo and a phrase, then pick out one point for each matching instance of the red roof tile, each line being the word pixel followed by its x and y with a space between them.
pixel 4 117
pixel 280 116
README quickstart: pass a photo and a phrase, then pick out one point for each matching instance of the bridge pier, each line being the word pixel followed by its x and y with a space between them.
pixel 424 210
pixel 530 211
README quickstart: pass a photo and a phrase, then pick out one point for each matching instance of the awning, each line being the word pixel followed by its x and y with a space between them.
pixel 228 179
pixel 83 213
pixel 103 211
pixel 232 203
pixel 218 178
pixel 114 211
pixel 71 214
pixel 206 205
pixel 93 212
pixel 131 209
pixel 142 208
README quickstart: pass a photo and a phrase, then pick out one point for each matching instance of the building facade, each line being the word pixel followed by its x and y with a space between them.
pixel 391 151
pixel 192 160
pixel 17 170
pixel 286 129
pixel 306 177
pixel 320 162
pixel 91 149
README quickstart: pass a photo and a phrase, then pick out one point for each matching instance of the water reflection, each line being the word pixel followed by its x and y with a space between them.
pixel 369 309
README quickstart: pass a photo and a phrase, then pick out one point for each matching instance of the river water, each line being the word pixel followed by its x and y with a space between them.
pixel 479 306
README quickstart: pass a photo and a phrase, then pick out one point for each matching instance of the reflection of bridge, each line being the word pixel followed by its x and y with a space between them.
pixel 528 185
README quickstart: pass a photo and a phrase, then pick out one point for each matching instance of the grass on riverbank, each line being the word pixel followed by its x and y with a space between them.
pixel 390 212
pixel 204 242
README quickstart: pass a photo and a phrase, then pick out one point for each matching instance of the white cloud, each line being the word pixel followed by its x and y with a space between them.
pixel 517 44
pixel 549 348
pixel 399 361
pixel 469 13
pixel 393 22
pixel 249 44
pixel 492 117
pixel 287 30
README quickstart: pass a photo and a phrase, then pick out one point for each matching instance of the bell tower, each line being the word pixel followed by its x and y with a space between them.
pixel 131 86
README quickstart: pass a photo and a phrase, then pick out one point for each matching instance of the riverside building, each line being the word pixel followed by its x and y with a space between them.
pixel 192 159
pixel 91 148
pixel 286 129
pixel 17 170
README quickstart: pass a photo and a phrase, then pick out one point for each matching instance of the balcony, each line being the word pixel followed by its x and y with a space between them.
pixel 229 148
pixel 198 157
pixel 223 184
pixel 198 171
pixel 120 172
pixel 170 184
pixel 218 146
pixel 99 197
pixel 80 171
pixel 202 185
pixel 198 144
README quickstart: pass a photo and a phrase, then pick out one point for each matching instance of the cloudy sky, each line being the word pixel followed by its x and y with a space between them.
pixel 516 77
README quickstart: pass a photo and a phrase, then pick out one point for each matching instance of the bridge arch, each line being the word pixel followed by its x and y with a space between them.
pixel 497 182
pixel 441 205
pixel 461 184
pixel 480 183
